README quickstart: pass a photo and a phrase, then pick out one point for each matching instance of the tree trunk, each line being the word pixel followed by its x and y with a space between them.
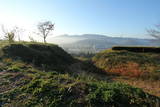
pixel 44 40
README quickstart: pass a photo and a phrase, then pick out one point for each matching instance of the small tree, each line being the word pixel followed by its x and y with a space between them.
pixel 9 35
pixel 45 28
pixel 155 32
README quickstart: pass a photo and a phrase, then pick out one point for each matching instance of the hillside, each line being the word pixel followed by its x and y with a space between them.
pixel 137 69
pixel 24 82
pixel 112 60
pixel 48 56
pixel 96 43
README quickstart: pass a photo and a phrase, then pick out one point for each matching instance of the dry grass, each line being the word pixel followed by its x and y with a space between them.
pixel 131 69
pixel 151 87
pixel 140 70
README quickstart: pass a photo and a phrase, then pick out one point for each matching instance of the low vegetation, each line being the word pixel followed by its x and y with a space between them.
pixel 137 69
pixel 24 83
pixel 144 65
pixel 47 56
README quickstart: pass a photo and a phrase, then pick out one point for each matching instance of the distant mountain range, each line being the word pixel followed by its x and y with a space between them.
pixel 95 43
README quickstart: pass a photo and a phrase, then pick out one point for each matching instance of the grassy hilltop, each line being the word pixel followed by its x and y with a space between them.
pixel 140 69
pixel 34 74
pixel 129 63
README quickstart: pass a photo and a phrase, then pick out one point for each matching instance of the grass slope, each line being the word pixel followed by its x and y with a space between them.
pixel 24 84
pixel 145 65
pixel 48 56
pixel 137 69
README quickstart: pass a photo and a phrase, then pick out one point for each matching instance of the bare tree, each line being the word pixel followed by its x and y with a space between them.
pixel 45 28
pixel 18 32
pixel 155 32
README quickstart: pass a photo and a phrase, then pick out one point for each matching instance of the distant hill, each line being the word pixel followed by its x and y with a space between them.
pixel 96 43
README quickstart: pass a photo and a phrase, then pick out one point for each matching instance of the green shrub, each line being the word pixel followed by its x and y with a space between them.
pixel 117 95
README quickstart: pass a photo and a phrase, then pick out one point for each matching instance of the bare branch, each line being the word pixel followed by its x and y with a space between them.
pixel 155 32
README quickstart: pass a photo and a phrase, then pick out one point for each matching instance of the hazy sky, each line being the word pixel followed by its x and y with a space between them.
pixel 111 17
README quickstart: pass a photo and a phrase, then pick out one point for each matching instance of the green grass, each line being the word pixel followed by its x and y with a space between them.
pixel 23 82
pixel 54 89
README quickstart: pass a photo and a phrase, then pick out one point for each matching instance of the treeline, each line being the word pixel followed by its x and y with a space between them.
pixel 138 49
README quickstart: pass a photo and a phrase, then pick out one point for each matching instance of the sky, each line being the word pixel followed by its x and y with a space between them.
pixel 125 18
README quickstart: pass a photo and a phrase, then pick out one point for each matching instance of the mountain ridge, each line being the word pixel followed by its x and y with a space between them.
pixel 97 42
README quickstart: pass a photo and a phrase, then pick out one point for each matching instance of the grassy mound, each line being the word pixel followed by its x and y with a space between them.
pixel 23 85
pixel 46 56
pixel 146 65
